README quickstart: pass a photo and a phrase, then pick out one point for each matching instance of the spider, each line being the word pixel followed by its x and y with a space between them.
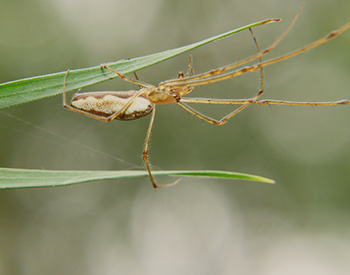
pixel 130 105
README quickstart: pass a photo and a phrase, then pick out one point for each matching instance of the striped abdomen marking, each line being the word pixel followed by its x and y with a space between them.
pixel 107 103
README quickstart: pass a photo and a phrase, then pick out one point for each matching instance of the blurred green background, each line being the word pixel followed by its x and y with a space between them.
pixel 298 226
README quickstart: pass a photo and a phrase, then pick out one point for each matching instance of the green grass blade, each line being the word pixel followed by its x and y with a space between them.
pixel 34 88
pixel 25 178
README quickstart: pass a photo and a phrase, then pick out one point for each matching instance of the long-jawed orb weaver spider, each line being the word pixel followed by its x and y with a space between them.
pixel 130 105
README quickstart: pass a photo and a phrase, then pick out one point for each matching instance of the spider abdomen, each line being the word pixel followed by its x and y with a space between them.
pixel 106 104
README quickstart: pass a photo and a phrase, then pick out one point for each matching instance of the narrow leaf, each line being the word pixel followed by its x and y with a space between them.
pixel 25 178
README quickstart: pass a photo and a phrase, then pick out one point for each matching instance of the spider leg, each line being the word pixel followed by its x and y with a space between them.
pixel 262 84
pixel 262 78
pixel 190 70
pixel 137 78
pixel 137 82
pixel 247 102
pixel 64 89
pixel 209 119
pixel 145 155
